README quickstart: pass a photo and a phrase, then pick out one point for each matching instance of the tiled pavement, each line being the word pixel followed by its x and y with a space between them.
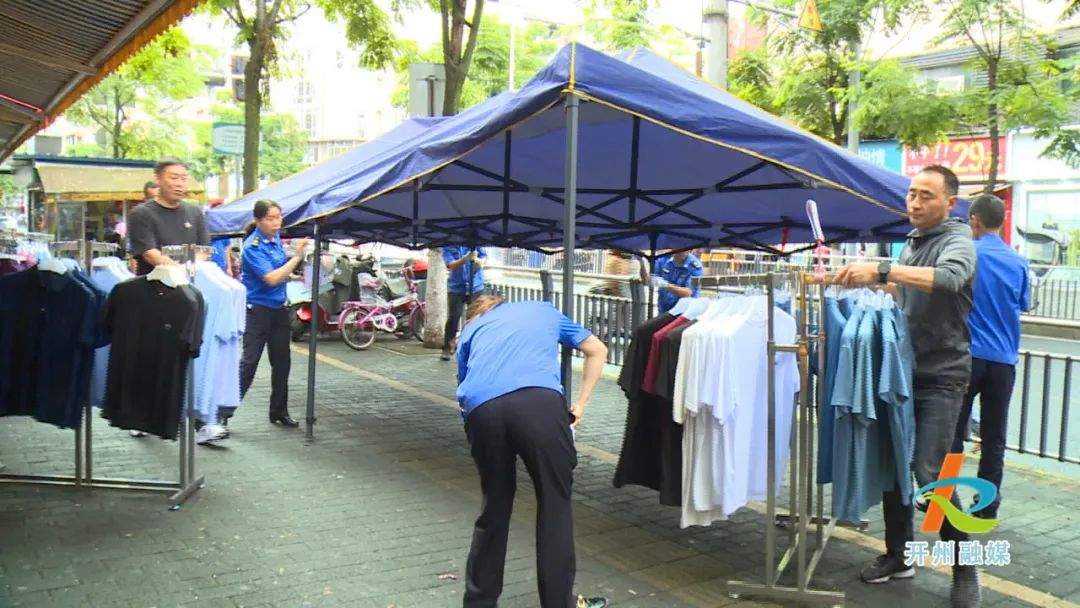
pixel 378 512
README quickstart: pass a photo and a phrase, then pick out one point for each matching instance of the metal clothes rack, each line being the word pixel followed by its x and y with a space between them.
pixel 801 508
pixel 84 477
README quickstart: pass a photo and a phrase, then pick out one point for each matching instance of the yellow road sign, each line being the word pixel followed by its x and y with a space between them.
pixel 810 19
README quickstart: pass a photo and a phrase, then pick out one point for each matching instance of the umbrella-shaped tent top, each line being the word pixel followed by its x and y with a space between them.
pixel 665 161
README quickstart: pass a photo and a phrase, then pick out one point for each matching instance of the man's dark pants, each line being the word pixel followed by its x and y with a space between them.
pixel 532 423
pixel 456 303
pixel 936 411
pixel 992 383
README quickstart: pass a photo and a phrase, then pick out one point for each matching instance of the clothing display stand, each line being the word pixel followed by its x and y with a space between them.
pixel 84 477
pixel 797 520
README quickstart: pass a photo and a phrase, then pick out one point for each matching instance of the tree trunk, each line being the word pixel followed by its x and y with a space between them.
pixel 252 113
pixel 435 324
pixel 993 123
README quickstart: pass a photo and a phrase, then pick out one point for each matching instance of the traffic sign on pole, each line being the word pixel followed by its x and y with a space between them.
pixel 228 138
pixel 810 19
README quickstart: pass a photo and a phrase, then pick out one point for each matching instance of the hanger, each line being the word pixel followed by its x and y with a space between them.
pixel 172 275
pixel 53 265
pixel 680 306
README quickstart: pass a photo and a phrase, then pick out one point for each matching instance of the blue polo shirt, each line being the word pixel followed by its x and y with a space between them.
pixel 263 255
pixel 511 347
pixel 679 275
pixel 1002 290
pixel 459 278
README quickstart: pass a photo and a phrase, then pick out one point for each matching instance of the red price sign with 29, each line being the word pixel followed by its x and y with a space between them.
pixel 968 158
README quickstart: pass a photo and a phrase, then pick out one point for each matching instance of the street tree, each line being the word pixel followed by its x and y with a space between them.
pixel 280 155
pixel 1024 84
pixel 812 84
pixel 135 107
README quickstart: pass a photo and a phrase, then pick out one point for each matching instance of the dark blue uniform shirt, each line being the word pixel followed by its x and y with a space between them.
pixel 261 256
pixel 458 279
pixel 680 276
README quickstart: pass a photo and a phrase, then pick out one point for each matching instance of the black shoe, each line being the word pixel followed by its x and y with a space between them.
pixel 885 568
pixel 591 602
pixel 965 591
pixel 445 356
pixel 285 420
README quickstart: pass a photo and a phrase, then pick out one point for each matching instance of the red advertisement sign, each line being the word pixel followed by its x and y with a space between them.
pixel 968 158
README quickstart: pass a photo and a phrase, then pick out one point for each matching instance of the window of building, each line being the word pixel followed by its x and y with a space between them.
pixel 303 92
pixel 361 126
pixel 310 123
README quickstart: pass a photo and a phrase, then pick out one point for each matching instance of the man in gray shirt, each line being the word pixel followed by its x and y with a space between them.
pixel 933 285
pixel 167 219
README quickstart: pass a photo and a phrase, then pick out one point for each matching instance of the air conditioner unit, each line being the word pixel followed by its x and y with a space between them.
pixel 950 84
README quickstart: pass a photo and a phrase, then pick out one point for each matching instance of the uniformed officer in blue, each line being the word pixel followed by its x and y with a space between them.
pixel 511 395
pixel 674 279
pixel 265 268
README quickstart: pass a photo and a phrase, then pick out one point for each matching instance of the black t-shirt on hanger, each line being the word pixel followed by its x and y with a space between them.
pixel 156 331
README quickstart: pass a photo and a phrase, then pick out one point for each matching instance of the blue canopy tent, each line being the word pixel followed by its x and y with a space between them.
pixel 595 151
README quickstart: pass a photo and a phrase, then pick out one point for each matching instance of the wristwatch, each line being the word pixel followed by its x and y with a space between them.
pixel 884 269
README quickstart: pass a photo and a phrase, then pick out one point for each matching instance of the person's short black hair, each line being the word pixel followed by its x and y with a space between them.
pixel 989 209
pixel 167 162
pixel 149 184
pixel 952 183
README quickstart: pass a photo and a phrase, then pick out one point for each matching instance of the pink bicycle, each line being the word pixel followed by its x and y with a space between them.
pixel 362 320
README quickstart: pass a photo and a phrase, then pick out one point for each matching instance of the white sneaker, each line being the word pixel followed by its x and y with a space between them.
pixel 135 433
pixel 209 434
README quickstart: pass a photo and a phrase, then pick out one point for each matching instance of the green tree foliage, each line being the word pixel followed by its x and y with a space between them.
pixel 490 71
pixel 135 107
pixel 263 24
pixel 281 154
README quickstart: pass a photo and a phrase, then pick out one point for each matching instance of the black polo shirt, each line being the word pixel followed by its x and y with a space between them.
pixel 156 331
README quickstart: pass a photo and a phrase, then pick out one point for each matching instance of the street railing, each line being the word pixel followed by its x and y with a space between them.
pixel 1044 391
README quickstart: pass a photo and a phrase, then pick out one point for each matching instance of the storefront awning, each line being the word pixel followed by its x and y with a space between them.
pixel 51 53
pixel 63 183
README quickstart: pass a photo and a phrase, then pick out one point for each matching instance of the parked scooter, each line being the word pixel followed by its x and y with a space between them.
pixel 340 287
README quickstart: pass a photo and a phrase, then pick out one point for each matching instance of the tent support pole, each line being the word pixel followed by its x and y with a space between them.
pixel 506 188
pixel 313 339
pixel 652 268
pixel 635 148
pixel 569 232
pixel 415 212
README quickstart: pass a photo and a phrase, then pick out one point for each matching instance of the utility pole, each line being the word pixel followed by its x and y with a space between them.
pixel 715 16
pixel 853 95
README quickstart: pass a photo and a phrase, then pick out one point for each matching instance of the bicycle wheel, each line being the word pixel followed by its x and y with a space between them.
pixel 416 322
pixel 357 331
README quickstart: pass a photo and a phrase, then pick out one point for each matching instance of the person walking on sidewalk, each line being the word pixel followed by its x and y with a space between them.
pixel 265 268
pixel 933 285
pixel 1002 288
pixel 466 281
pixel 512 400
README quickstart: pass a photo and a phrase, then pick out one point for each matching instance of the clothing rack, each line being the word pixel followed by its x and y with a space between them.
pixel 801 507
pixel 84 477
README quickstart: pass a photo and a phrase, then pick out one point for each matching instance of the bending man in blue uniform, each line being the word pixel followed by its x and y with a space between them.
pixel 674 279
pixel 265 268
pixel 465 282
pixel 511 395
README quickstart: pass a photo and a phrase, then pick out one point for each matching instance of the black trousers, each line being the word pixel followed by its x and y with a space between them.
pixel 267 327
pixel 532 423
pixel 936 411
pixel 992 383
pixel 455 308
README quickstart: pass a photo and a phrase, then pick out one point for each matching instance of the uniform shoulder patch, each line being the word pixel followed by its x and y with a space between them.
pixel 255 242
pixel 697 264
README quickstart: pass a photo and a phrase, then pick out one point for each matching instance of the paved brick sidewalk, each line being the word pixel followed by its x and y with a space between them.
pixel 379 510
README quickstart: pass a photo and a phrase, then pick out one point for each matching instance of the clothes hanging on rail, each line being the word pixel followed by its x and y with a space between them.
pixel 651 454
pixel 106 273
pixel 721 395
pixel 217 368
pixel 49 328
pixel 868 400
pixel 156 331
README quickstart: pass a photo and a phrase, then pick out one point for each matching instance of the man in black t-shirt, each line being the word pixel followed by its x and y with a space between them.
pixel 167 219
